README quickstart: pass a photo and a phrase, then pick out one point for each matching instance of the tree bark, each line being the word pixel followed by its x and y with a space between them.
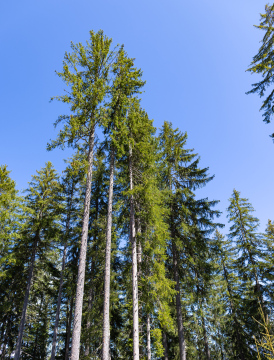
pixel 76 334
pixel 165 346
pixel 106 320
pixel 148 338
pixel 26 299
pixel 134 266
pixel 90 299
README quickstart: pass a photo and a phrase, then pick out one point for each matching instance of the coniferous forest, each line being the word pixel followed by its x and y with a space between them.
pixel 118 257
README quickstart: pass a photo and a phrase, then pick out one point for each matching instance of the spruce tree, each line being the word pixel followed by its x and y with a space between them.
pixel 127 82
pixel 10 225
pixel 43 203
pixel 187 216
pixel 249 251
pixel 86 72
pixel 263 64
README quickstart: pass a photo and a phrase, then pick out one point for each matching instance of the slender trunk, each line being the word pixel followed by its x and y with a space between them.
pixel 75 347
pixel 90 299
pixel 179 314
pixel 25 305
pixel 69 329
pixel 55 331
pixel 139 273
pixel 106 325
pixel 148 338
pixel 139 249
pixel 134 267
pixel 165 346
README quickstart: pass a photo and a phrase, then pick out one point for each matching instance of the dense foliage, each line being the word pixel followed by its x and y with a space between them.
pixel 118 256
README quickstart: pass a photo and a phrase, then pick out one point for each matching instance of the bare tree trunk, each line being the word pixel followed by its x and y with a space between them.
pixel 165 346
pixel 90 298
pixel 106 324
pixel 25 305
pixel 76 334
pixel 179 314
pixel 69 329
pixel 148 338
pixel 134 267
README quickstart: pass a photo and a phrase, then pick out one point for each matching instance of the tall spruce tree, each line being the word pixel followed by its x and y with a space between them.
pixel 235 345
pixel 249 251
pixel 43 203
pixel 10 225
pixel 180 175
pixel 126 83
pixel 86 72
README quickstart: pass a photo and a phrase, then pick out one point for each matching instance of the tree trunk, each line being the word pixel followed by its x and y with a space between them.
pixel 90 299
pixel 106 320
pixel 76 334
pixel 26 299
pixel 179 314
pixel 165 346
pixel 69 329
pixel 55 331
pixel 148 338
pixel 134 266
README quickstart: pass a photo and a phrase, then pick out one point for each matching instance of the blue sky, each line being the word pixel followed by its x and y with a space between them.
pixel 193 56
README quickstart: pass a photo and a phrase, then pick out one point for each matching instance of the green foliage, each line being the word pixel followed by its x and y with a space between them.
pixel 263 64
pixel 181 254
pixel 86 73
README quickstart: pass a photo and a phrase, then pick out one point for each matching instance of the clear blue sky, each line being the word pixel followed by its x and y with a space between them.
pixel 193 56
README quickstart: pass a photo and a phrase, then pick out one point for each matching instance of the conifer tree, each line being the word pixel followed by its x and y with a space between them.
pixel 43 203
pixel 180 175
pixel 249 251
pixel 234 331
pixel 10 225
pixel 263 64
pixel 126 83
pixel 268 270
pixel 243 231
pixel 9 207
pixel 86 72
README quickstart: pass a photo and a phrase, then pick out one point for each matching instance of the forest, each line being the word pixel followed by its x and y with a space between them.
pixel 118 257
